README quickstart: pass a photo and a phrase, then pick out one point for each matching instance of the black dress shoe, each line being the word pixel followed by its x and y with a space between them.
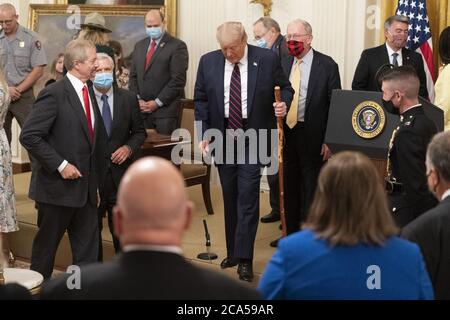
pixel 228 263
pixel 274 243
pixel 245 271
pixel 271 217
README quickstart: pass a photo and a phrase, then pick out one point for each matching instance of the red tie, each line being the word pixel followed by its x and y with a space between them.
pixel 87 107
pixel 150 53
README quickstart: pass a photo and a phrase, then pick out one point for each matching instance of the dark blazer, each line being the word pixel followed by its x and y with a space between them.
pixel 165 78
pixel 324 78
pixel 408 166
pixel 280 48
pixel 127 129
pixel 264 73
pixel 373 58
pixel 148 275
pixel 14 291
pixel 432 233
pixel 57 130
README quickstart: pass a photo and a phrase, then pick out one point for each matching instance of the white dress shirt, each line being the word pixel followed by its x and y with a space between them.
pixel 150 247
pixel 243 69
pixel 391 57
pixel 446 194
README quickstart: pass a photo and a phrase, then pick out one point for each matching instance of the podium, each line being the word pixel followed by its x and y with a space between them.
pixel 358 121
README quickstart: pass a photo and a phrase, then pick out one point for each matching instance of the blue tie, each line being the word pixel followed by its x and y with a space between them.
pixel 106 115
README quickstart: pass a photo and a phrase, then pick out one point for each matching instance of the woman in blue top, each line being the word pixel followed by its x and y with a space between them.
pixel 349 248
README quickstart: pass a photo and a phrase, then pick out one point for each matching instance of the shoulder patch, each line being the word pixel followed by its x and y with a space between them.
pixel 38 45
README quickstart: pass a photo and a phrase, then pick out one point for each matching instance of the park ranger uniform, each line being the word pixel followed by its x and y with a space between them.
pixel 18 57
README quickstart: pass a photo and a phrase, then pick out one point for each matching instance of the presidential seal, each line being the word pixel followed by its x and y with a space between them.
pixel 368 119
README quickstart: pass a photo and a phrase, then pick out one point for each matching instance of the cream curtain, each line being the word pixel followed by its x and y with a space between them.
pixel 438 13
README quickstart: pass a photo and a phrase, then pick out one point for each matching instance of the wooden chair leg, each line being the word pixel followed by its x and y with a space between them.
pixel 207 197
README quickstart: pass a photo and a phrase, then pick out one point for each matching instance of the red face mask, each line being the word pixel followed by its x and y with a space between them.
pixel 295 48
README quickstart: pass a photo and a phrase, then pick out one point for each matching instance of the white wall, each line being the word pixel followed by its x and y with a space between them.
pixel 339 27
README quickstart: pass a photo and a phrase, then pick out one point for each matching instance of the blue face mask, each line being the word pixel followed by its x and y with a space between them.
pixel 103 80
pixel 154 32
pixel 262 43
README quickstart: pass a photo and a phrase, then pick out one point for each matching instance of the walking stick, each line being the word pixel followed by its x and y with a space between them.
pixel 280 162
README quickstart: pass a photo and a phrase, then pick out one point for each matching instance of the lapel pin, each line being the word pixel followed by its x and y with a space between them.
pixel 255 64
pixel 162 44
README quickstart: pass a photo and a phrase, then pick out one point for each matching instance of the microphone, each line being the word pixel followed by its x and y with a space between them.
pixel 207 255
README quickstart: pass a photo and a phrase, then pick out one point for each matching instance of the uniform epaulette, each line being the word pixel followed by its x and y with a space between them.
pixel 409 121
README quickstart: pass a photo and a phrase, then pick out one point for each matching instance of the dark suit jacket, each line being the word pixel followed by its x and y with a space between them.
pixel 324 78
pixel 264 73
pixel 57 130
pixel 165 78
pixel 280 48
pixel 14 291
pixel 432 233
pixel 373 58
pixel 127 129
pixel 148 275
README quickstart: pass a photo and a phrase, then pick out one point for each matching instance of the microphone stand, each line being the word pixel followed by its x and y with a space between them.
pixel 207 255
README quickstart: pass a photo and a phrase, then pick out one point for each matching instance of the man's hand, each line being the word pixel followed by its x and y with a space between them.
pixel 120 155
pixel 325 153
pixel 280 109
pixel 148 107
pixel 70 172
pixel 204 147
pixel 14 93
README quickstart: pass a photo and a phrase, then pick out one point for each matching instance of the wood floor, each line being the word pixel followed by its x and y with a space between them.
pixel 194 240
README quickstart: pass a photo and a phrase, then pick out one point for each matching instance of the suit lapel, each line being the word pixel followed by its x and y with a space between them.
pixel 142 57
pixel 219 76
pixel 117 116
pixel 77 107
pixel 313 78
pixel 253 67
pixel 158 49
pixel 406 55
pixel 384 55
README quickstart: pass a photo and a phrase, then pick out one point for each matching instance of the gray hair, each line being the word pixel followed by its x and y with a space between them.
pixel 231 30
pixel 397 18
pixel 268 23
pixel 76 50
pixel 438 154
pixel 104 56
pixel 304 23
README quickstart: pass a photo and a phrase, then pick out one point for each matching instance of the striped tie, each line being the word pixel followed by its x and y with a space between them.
pixel 235 105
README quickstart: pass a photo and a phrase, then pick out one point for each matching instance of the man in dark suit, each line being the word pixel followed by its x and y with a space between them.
pixel 61 133
pixel 406 182
pixel 431 230
pixel 234 94
pixel 151 217
pixel 313 76
pixel 268 35
pixel 122 132
pixel 392 52
pixel 158 74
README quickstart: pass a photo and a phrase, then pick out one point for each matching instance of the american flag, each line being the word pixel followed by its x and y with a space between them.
pixel 419 36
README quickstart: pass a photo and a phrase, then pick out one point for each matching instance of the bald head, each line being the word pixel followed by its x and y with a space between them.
pixel 9 17
pixel 152 192
pixel 8 7
pixel 154 18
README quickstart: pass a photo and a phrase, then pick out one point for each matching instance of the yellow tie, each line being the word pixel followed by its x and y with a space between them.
pixel 292 117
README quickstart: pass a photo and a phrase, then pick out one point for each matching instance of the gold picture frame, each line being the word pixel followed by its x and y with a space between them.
pixel 57 24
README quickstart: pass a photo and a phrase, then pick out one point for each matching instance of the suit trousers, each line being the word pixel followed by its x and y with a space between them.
pixel 19 109
pixel 53 221
pixel 108 199
pixel 161 125
pixel 240 189
pixel 301 170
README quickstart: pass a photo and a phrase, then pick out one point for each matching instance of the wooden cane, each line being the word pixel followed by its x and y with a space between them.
pixel 280 162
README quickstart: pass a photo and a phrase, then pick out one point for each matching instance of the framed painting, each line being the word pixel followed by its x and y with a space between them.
pixel 58 24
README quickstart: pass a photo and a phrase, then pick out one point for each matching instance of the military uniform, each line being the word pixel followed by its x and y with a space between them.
pixel 18 57
pixel 406 183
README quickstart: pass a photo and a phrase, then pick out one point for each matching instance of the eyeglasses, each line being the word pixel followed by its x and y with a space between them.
pixel 295 36
pixel 6 22
pixel 256 38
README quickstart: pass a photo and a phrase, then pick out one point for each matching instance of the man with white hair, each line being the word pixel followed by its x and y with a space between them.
pixel 122 134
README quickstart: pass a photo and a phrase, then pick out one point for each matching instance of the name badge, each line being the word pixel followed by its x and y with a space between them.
pixel 22 44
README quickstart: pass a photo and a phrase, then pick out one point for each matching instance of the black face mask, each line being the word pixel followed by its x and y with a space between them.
pixel 389 106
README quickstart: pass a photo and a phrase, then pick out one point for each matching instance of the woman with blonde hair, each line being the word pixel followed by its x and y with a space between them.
pixel 8 217
pixel 57 69
pixel 348 248
pixel 442 99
